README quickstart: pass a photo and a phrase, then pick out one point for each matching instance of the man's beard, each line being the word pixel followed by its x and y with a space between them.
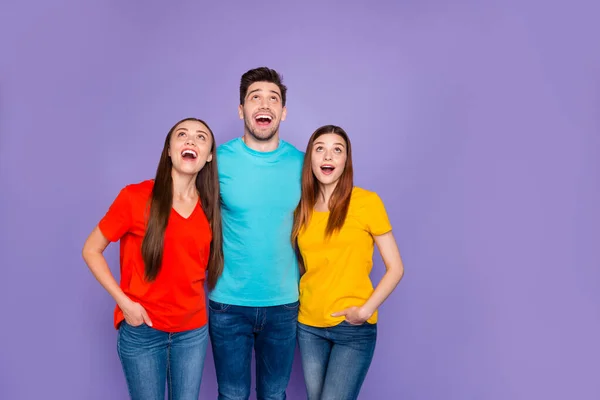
pixel 264 136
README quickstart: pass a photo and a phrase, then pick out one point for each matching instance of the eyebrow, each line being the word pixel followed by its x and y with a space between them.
pixel 186 129
pixel 260 90
pixel 339 144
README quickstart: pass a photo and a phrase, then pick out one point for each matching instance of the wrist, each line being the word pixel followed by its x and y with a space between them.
pixel 123 301
pixel 365 312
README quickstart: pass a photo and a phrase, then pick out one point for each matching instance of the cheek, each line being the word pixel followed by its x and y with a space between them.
pixel 207 151
pixel 341 164
pixel 174 144
pixel 315 164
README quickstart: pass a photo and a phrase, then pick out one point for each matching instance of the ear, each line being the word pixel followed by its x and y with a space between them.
pixel 241 111
pixel 209 159
pixel 284 113
pixel 169 151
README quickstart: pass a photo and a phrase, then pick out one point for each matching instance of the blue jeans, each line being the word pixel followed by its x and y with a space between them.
pixel 335 360
pixel 235 330
pixel 151 357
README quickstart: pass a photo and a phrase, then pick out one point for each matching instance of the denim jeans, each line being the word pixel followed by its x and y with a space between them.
pixel 335 360
pixel 271 331
pixel 151 357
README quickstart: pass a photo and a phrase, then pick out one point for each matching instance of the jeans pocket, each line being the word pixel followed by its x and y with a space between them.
pixel 291 306
pixel 346 323
pixel 126 325
pixel 217 307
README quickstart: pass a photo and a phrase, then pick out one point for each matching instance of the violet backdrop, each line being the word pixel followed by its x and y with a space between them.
pixel 477 123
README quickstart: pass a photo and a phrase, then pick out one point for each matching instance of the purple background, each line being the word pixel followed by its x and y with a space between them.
pixel 478 124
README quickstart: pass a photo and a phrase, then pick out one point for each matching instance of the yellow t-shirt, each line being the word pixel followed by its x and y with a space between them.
pixel 338 268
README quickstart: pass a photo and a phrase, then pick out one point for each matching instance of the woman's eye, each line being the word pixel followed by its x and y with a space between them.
pixel 202 137
pixel 319 148
pixel 181 134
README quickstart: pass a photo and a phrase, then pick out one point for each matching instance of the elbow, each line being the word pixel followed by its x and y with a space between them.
pixel 85 254
pixel 88 253
pixel 398 273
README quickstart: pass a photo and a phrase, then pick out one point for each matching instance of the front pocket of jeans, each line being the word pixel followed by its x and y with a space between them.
pixel 127 325
pixel 346 323
pixel 292 306
pixel 215 306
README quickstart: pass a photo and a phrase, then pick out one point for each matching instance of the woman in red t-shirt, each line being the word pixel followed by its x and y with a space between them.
pixel 170 235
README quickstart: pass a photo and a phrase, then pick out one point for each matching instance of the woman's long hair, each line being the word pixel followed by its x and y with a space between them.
pixel 340 198
pixel 161 203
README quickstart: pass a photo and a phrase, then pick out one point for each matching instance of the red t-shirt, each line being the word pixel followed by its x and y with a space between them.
pixel 175 300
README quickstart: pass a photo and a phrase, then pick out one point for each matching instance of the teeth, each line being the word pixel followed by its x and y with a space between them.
pixel 189 152
pixel 264 116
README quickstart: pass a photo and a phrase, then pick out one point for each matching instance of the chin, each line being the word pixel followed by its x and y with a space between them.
pixel 188 170
pixel 263 136
pixel 327 181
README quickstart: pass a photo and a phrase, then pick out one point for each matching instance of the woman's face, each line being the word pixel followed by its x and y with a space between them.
pixel 189 147
pixel 328 158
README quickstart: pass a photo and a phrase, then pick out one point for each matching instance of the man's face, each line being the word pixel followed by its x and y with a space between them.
pixel 262 110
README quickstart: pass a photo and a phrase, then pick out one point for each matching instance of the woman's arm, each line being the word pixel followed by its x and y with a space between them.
pixel 388 249
pixel 93 250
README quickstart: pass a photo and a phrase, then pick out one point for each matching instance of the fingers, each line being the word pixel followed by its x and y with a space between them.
pixel 132 321
pixel 146 317
pixel 339 313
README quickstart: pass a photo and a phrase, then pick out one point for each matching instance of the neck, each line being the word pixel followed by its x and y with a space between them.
pixel 184 186
pixel 325 192
pixel 261 145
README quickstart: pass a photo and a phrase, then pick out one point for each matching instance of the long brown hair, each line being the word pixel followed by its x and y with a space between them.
pixel 340 198
pixel 161 203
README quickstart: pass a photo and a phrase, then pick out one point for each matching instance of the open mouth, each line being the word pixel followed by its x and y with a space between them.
pixel 327 169
pixel 189 154
pixel 263 119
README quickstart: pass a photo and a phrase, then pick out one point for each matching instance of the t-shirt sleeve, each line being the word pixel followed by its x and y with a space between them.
pixel 377 219
pixel 117 220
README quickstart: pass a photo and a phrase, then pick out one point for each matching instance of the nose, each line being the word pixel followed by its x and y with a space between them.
pixel 328 155
pixel 190 141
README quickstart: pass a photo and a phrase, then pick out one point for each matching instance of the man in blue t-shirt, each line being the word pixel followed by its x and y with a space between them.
pixel 255 300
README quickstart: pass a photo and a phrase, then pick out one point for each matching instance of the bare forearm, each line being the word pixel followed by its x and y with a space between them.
pixel 99 268
pixel 385 287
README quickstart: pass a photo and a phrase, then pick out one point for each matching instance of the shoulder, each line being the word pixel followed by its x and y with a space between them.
pixel 364 198
pixel 140 191
pixel 229 147
pixel 140 187
pixel 291 152
pixel 368 207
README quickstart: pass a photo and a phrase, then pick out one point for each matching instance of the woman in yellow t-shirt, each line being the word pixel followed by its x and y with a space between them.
pixel 335 228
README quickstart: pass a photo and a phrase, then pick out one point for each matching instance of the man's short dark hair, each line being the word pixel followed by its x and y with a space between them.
pixel 261 74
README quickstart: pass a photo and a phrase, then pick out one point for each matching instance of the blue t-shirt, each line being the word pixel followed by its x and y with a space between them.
pixel 259 193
